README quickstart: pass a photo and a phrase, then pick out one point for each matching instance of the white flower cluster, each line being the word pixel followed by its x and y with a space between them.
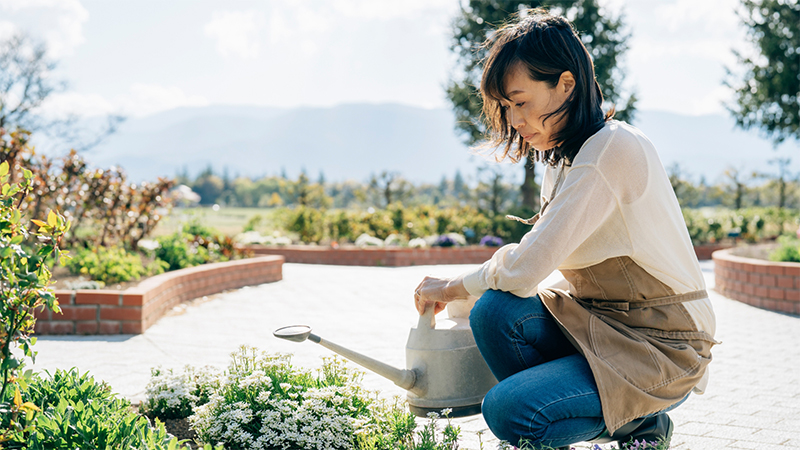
pixel 266 404
pixel 170 394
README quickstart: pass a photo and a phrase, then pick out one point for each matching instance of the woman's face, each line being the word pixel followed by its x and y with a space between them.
pixel 531 101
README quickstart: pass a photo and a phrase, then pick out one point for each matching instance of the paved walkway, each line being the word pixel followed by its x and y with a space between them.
pixel 753 400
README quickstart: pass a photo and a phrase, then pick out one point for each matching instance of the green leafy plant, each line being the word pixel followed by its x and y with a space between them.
pixel 195 244
pixel 112 265
pixel 787 251
pixel 78 412
pixel 24 279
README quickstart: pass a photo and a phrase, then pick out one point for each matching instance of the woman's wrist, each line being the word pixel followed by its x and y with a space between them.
pixel 455 289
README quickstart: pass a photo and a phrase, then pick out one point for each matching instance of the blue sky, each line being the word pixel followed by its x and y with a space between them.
pixel 138 57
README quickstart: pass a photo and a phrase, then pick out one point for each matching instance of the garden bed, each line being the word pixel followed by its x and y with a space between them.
pixel 402 256
pixel 133 310
pixel 377 256
pixel 741 274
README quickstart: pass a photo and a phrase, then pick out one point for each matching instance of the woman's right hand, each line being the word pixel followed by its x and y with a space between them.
pixel 438 292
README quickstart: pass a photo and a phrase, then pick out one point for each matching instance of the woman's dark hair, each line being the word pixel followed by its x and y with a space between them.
pixel 546 46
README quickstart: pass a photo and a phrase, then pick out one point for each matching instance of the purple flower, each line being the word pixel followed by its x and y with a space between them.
pixel 444 241
pixel 491 241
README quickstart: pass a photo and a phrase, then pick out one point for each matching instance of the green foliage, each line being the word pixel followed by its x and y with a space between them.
pixel 25 278
pixel 193 245
pixel 112 265
pixel 768 89
pixel 788 251
pixel 708 225
pixel 75 411
pixel 179 251
pixel 307 222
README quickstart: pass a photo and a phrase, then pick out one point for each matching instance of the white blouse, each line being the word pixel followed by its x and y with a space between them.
pixel 614 200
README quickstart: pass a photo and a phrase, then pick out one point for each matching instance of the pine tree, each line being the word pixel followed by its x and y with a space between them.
pixel 767 96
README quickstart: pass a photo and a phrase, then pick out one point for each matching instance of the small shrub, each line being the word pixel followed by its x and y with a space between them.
pixel 179 250
pixel 78 412
pixel 788 251
pixel 112 265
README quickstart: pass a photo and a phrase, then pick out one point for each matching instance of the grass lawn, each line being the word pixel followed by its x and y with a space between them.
pixel 228 221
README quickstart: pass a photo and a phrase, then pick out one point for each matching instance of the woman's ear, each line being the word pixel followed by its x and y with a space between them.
pixel 566 82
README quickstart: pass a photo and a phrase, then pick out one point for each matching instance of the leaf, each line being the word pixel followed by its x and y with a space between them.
pixel 39 223
pixel 17 395
pixel 30 406
pixel 6 188
pixel 52 219
pixel 3 168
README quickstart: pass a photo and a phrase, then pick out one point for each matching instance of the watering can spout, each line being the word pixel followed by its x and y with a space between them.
pixel 403 378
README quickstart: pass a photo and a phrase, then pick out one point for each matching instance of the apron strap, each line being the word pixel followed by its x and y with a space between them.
pixel 649 303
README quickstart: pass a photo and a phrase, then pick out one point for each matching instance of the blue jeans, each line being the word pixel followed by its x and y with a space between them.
pixel 546 393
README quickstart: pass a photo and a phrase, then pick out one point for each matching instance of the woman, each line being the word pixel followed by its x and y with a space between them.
pixel 631 337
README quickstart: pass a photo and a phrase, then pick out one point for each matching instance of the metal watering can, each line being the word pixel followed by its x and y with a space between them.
pixel 444 368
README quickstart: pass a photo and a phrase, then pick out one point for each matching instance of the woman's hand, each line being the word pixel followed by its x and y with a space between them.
pixel 438 292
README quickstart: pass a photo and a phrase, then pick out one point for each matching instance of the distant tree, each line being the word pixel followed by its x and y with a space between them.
pixel 208 186
pixel 603 34
pixel 686 192
pixel 459 186
pixel 390 186
pixel 310 194
pixel 492 190
pixel 26 81
pixel 738 186
pixel 782 179
pixel 767 90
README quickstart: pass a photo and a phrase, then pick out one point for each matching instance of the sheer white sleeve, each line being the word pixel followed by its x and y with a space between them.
pixel 580 207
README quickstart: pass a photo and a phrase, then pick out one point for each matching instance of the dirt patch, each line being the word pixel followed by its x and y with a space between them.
pixel 181 430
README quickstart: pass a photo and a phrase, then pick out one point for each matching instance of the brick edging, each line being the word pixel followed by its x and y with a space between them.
pixel 132 311
pixel 377 256
pixel 765 284
pixel 402 256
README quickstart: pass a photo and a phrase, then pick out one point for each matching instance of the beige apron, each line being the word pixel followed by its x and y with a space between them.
pixel 643 347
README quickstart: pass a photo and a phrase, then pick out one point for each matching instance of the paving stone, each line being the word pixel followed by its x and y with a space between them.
pixel 756 445
pixel 702 443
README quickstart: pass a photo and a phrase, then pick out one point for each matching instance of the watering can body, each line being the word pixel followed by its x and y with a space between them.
pixel 454 374
pixel 444 368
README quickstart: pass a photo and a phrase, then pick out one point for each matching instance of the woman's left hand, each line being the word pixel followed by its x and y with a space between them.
pixel 438 292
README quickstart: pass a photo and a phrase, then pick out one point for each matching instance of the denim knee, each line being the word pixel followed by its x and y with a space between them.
pixel 483 313
pixel 499 416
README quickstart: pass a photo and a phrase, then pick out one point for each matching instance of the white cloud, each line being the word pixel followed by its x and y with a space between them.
pixel 388 9
pixel 58 22
pixel 236 32
pixel 140 100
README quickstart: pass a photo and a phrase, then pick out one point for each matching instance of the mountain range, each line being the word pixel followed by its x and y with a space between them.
pixel 355 140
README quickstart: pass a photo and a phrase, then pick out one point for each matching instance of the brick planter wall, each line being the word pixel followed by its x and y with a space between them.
pixel 134 310
pixel 403 256
pixel 387 256
pixel 765 284
pixel 704 251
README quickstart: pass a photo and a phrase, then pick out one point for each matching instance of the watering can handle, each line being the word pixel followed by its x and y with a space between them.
pixel 427 321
